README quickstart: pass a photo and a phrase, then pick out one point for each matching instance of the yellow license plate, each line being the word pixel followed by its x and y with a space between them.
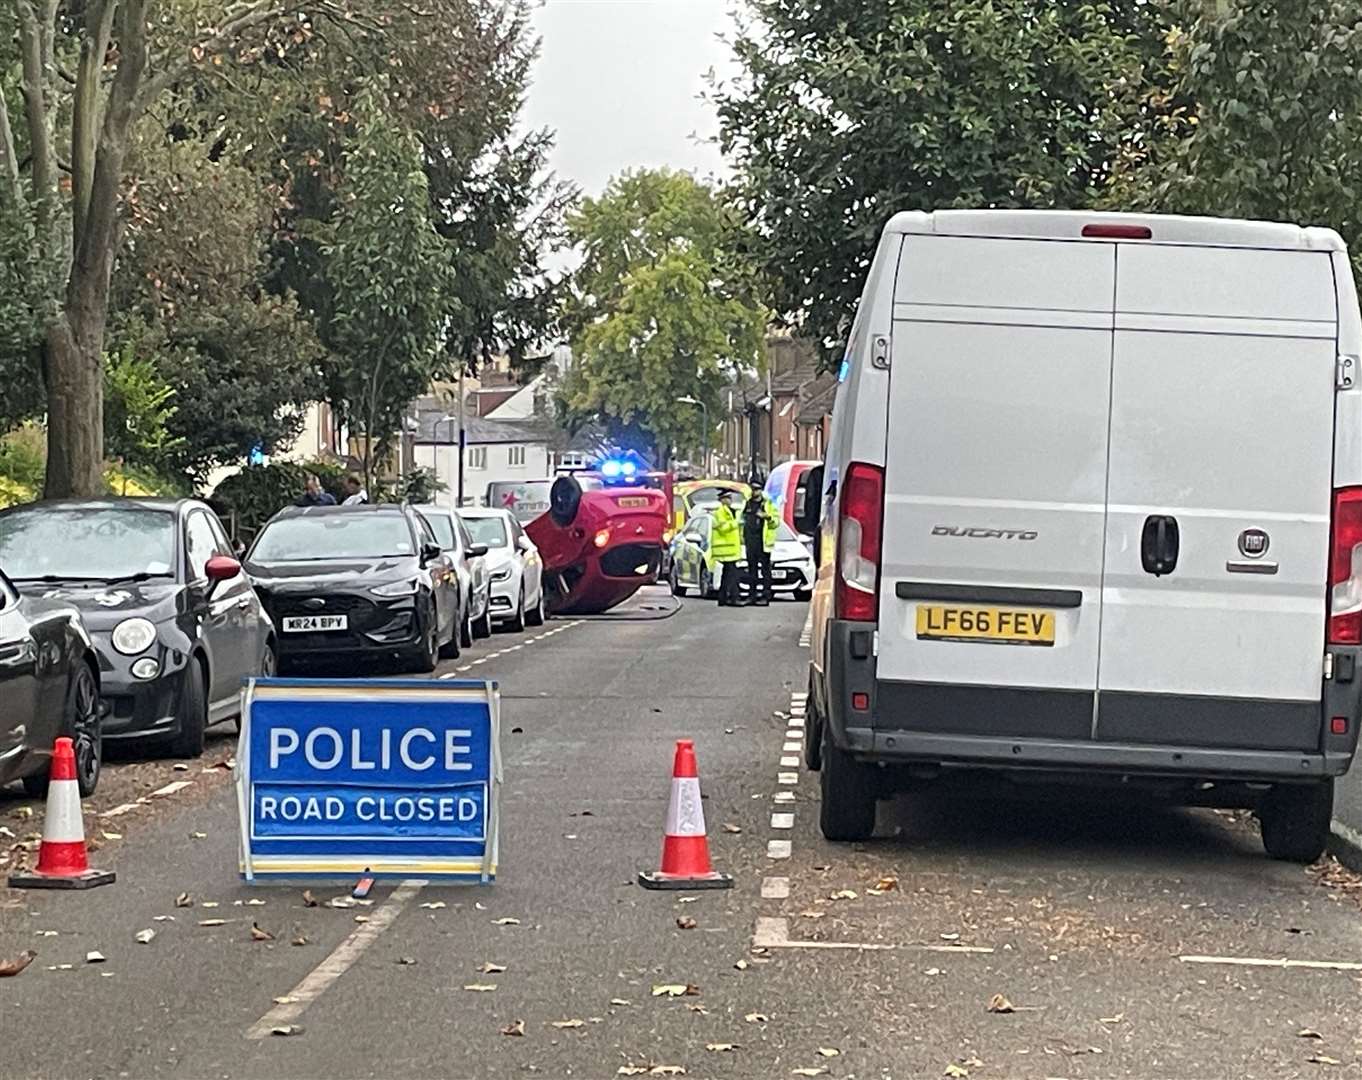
pixel 631 502
pixel 998 626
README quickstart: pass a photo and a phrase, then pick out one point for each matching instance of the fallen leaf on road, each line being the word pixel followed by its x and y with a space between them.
pixel 821 1070
pixel 828 1051
pixel 180 766
pixel 1322 1059
pixel 956 1071
pixel 361 918
pixel 60 967
pixel 434 905
pixel 569 1023
pixel 184 900
pixel 259 934
pixel 950 937
pixel 515 1028
pixel 885 884
pixel 812 914
pixel 308 899
pixel 212 922
pixel 1117 1019
pixel 932 972
pixel 285 1030
pixel 93 957
pixel 204 836
pixel 686 899
pixel 721 1048
pixel 667 1070
pixel 286 999
pixel 999 1004
pixel 255 903
pixel 685 922
pixel 506 922
pixel 45 933
pixel 107 835
pixel 210 903
pixel 696 1007
pixel 407 961
pixel 480 988
pixel 299 940
pixel 620 1002
pixel 1308 1033
pixel 756 1018
pixel 163 918
pixel 144 937
pixel 729 827
pixel 490 968
pixel 24 812
pixel 15 964
pixel 342 902
pixel 675 990
pixel 632 1070
pixel 843 894
pixel 741 965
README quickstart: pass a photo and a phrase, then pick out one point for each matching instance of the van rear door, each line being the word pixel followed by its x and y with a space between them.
pixel 995 482
pixel 1222 437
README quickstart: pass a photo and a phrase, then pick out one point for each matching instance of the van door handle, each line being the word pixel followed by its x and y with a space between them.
pixel 1159 544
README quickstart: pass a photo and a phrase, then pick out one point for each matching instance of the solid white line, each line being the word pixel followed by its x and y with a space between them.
pixel 775 888
pixel 317 980
pixel 1254 961
pixel 792 746
pixel 782 821
pixel 778 849
pixel 789 761
pixel 788 777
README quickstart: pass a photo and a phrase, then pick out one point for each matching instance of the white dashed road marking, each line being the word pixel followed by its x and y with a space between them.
pixel 778 849
pixel 775 888
pixel 782 821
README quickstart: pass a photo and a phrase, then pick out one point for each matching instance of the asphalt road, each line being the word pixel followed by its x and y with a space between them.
pixel 1076 911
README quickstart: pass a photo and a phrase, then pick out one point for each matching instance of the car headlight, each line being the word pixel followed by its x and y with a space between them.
pixel 503 574
pixel 133 636
pixel 395 588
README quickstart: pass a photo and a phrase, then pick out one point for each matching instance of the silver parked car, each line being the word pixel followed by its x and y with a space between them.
pixel 469 559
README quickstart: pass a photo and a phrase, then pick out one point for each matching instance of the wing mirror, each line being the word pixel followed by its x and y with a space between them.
pixel 221 568
pixel 430 553
pixel 476 551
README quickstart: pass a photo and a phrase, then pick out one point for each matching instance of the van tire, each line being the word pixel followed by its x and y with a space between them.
pixel 1295 820
pixel 847 811
pixel 813 731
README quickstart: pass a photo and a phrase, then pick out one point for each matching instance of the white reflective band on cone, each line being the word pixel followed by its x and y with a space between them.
pixel 63 824
pixel 685 815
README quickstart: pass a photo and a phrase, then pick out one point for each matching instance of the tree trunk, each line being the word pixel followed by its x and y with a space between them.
pixel 75 411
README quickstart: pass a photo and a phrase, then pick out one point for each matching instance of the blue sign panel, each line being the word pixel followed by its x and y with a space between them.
pixel 381 777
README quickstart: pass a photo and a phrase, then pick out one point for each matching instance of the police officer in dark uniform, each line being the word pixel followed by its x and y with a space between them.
pixel 754 540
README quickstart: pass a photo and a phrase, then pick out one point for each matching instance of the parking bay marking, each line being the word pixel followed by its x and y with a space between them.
pixel 342 958
pixel 774 933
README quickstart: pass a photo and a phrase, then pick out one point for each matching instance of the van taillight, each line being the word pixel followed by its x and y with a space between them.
pixel 1345 569
pixel 859 533
pixel 1118 232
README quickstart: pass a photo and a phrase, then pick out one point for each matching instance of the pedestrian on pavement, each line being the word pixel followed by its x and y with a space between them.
pixel 355 495
pixel 725 544
pixel 313 493
pixel 760 522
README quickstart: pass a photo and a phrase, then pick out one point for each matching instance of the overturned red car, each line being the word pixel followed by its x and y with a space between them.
pixel 599 544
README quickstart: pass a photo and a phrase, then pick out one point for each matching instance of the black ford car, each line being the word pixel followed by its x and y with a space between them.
pixel 357 581
pixel 175 623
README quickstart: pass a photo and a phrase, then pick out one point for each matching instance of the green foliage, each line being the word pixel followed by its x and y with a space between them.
pixel 1272 123
pixel 847 111
pixel 23 458
pixel 249 498
pixel 661 307
pixel 139 407
pixel 421 485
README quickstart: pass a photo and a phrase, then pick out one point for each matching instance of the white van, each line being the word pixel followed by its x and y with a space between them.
pixel 1092 506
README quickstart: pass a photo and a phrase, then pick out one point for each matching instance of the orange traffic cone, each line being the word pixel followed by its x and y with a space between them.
pixel 62 863
pixel 685 849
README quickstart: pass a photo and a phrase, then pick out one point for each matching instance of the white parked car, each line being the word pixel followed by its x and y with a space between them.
pixel 1092 506
pixel 514 568
pixel 470 564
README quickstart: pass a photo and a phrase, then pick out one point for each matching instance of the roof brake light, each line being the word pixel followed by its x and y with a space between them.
pixel 1118 232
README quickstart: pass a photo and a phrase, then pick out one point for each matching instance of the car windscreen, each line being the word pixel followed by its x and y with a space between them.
pixel 92 544
pixel 487 530
pixel 443 528
pixel 325 537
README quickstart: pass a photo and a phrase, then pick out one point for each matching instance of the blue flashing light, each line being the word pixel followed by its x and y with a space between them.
pixel 844 370
pixel 610 468
pixel 629 468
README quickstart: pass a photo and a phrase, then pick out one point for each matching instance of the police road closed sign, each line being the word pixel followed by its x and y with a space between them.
pixel 382 777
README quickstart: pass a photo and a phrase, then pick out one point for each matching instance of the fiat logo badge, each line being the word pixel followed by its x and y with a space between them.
pixel 1253 543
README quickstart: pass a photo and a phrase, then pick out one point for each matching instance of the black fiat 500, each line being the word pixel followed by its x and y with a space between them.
pixel 175 623
pixel 357 581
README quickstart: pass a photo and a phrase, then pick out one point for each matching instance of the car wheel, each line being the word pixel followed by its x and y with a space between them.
pixel 450 649
pixel 80 721
pixel 482 626
pixel 677 588
pixel 706 585
pixel 1295 820
pixel 269 667
pixel 813 731
pixel 428 654
pixel 849 788
pixel 466 625
pixel 803 595
pixel 517 623
pixel 565 496
pixel 192 716
pixel 535 616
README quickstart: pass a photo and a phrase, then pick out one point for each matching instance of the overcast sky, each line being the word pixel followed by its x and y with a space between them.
pixel 619 81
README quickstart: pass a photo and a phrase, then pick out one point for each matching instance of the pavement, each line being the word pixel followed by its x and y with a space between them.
pixel 855 961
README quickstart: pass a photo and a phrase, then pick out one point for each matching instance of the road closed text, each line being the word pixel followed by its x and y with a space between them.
pixel 282 811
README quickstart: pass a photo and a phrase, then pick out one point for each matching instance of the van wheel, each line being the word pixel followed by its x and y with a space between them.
pixel 813 731
pixel 847 812
pixel 1295 820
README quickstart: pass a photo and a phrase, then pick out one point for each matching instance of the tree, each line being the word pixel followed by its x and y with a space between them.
pixel 1271 118
pixel 847 111
pixel 387 273
pixel 661 307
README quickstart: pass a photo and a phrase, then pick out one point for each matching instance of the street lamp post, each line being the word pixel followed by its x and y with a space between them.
pixel 704 430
